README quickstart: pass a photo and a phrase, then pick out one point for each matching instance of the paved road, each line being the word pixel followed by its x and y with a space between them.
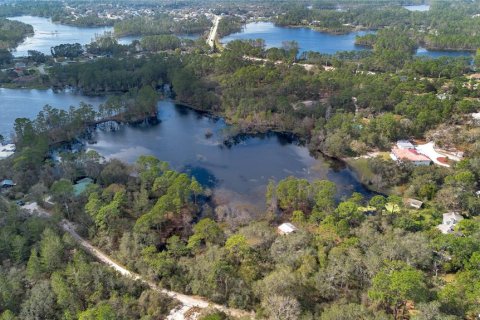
pixel 213 32
pixel 187 301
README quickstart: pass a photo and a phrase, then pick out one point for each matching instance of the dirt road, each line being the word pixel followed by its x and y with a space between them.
pixel 187 301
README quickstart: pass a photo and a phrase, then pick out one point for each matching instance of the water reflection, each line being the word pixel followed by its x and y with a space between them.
pixel 49 34
pixel 244 168
pixel 27 103
pixel 311 40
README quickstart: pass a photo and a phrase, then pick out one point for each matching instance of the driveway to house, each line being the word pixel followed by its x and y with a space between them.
pixel 187 302
pixel 428 149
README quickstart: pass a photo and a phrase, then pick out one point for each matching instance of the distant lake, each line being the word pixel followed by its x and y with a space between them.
pixel 308 39
pixel 311 40
pixel 239 172
pixel 49 34
pixel 26 103
pixel 421 7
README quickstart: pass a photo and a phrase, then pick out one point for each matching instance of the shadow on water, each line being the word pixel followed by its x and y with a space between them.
pixel 283 138
pixel 237 168
pixel 204 176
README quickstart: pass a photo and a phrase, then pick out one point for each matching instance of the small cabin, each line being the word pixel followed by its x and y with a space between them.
pixel 286 228
pixel 410 155
pixel 414 203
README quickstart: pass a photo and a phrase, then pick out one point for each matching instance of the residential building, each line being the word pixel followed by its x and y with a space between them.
pixel 405 144
pixel 449 222
pixel 286 228
pixel 414 203
pixel 410 155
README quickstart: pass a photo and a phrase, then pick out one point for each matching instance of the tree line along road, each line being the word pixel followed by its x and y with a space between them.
pixel 187 301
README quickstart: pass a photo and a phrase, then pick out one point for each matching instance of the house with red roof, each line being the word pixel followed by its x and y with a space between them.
pixel 410 155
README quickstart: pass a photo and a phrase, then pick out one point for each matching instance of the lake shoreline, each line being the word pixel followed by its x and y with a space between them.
pixel 344 161
pixel 326 30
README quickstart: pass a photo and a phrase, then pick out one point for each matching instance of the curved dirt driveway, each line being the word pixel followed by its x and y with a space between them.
pixel 186 300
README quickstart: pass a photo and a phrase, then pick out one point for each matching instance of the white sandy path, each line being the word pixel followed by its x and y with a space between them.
pixel 306 66
pixel 186 300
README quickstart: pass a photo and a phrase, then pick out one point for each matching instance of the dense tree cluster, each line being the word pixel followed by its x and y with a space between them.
pixel 41 9
pixel 228 25
pixel 67 50
pixel 345 111
pixel 160 43
pixel 161 24
pixel 13 32
pixel 350 258
pixel 387 260
pixel 447 25
pixel 107 45
pixel 5 57
pixel 43 275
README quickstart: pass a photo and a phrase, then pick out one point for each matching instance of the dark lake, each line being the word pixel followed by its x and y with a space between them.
pixel 240 171
pixel 237 172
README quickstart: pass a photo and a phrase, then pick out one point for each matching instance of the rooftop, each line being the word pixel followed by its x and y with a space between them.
pixel 81 186
pixel 445 229
pixel 452 216
pixel 7 183
pixel 405 144
pixel 6 150
pixel 409 154
pixel 287 227
pixel 414 203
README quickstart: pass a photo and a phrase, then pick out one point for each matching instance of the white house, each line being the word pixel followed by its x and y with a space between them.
pixel 286 228
pixel 414 203
pixel 6 150
pixel 450 220
pixel 476 117
pixel 405 144
pixel 410 155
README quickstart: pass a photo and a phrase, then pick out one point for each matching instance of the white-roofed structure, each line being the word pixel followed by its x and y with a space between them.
pixel 414 203
pixel 405 144
pixel 286 228
pixel 6 150
pixel 449 222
